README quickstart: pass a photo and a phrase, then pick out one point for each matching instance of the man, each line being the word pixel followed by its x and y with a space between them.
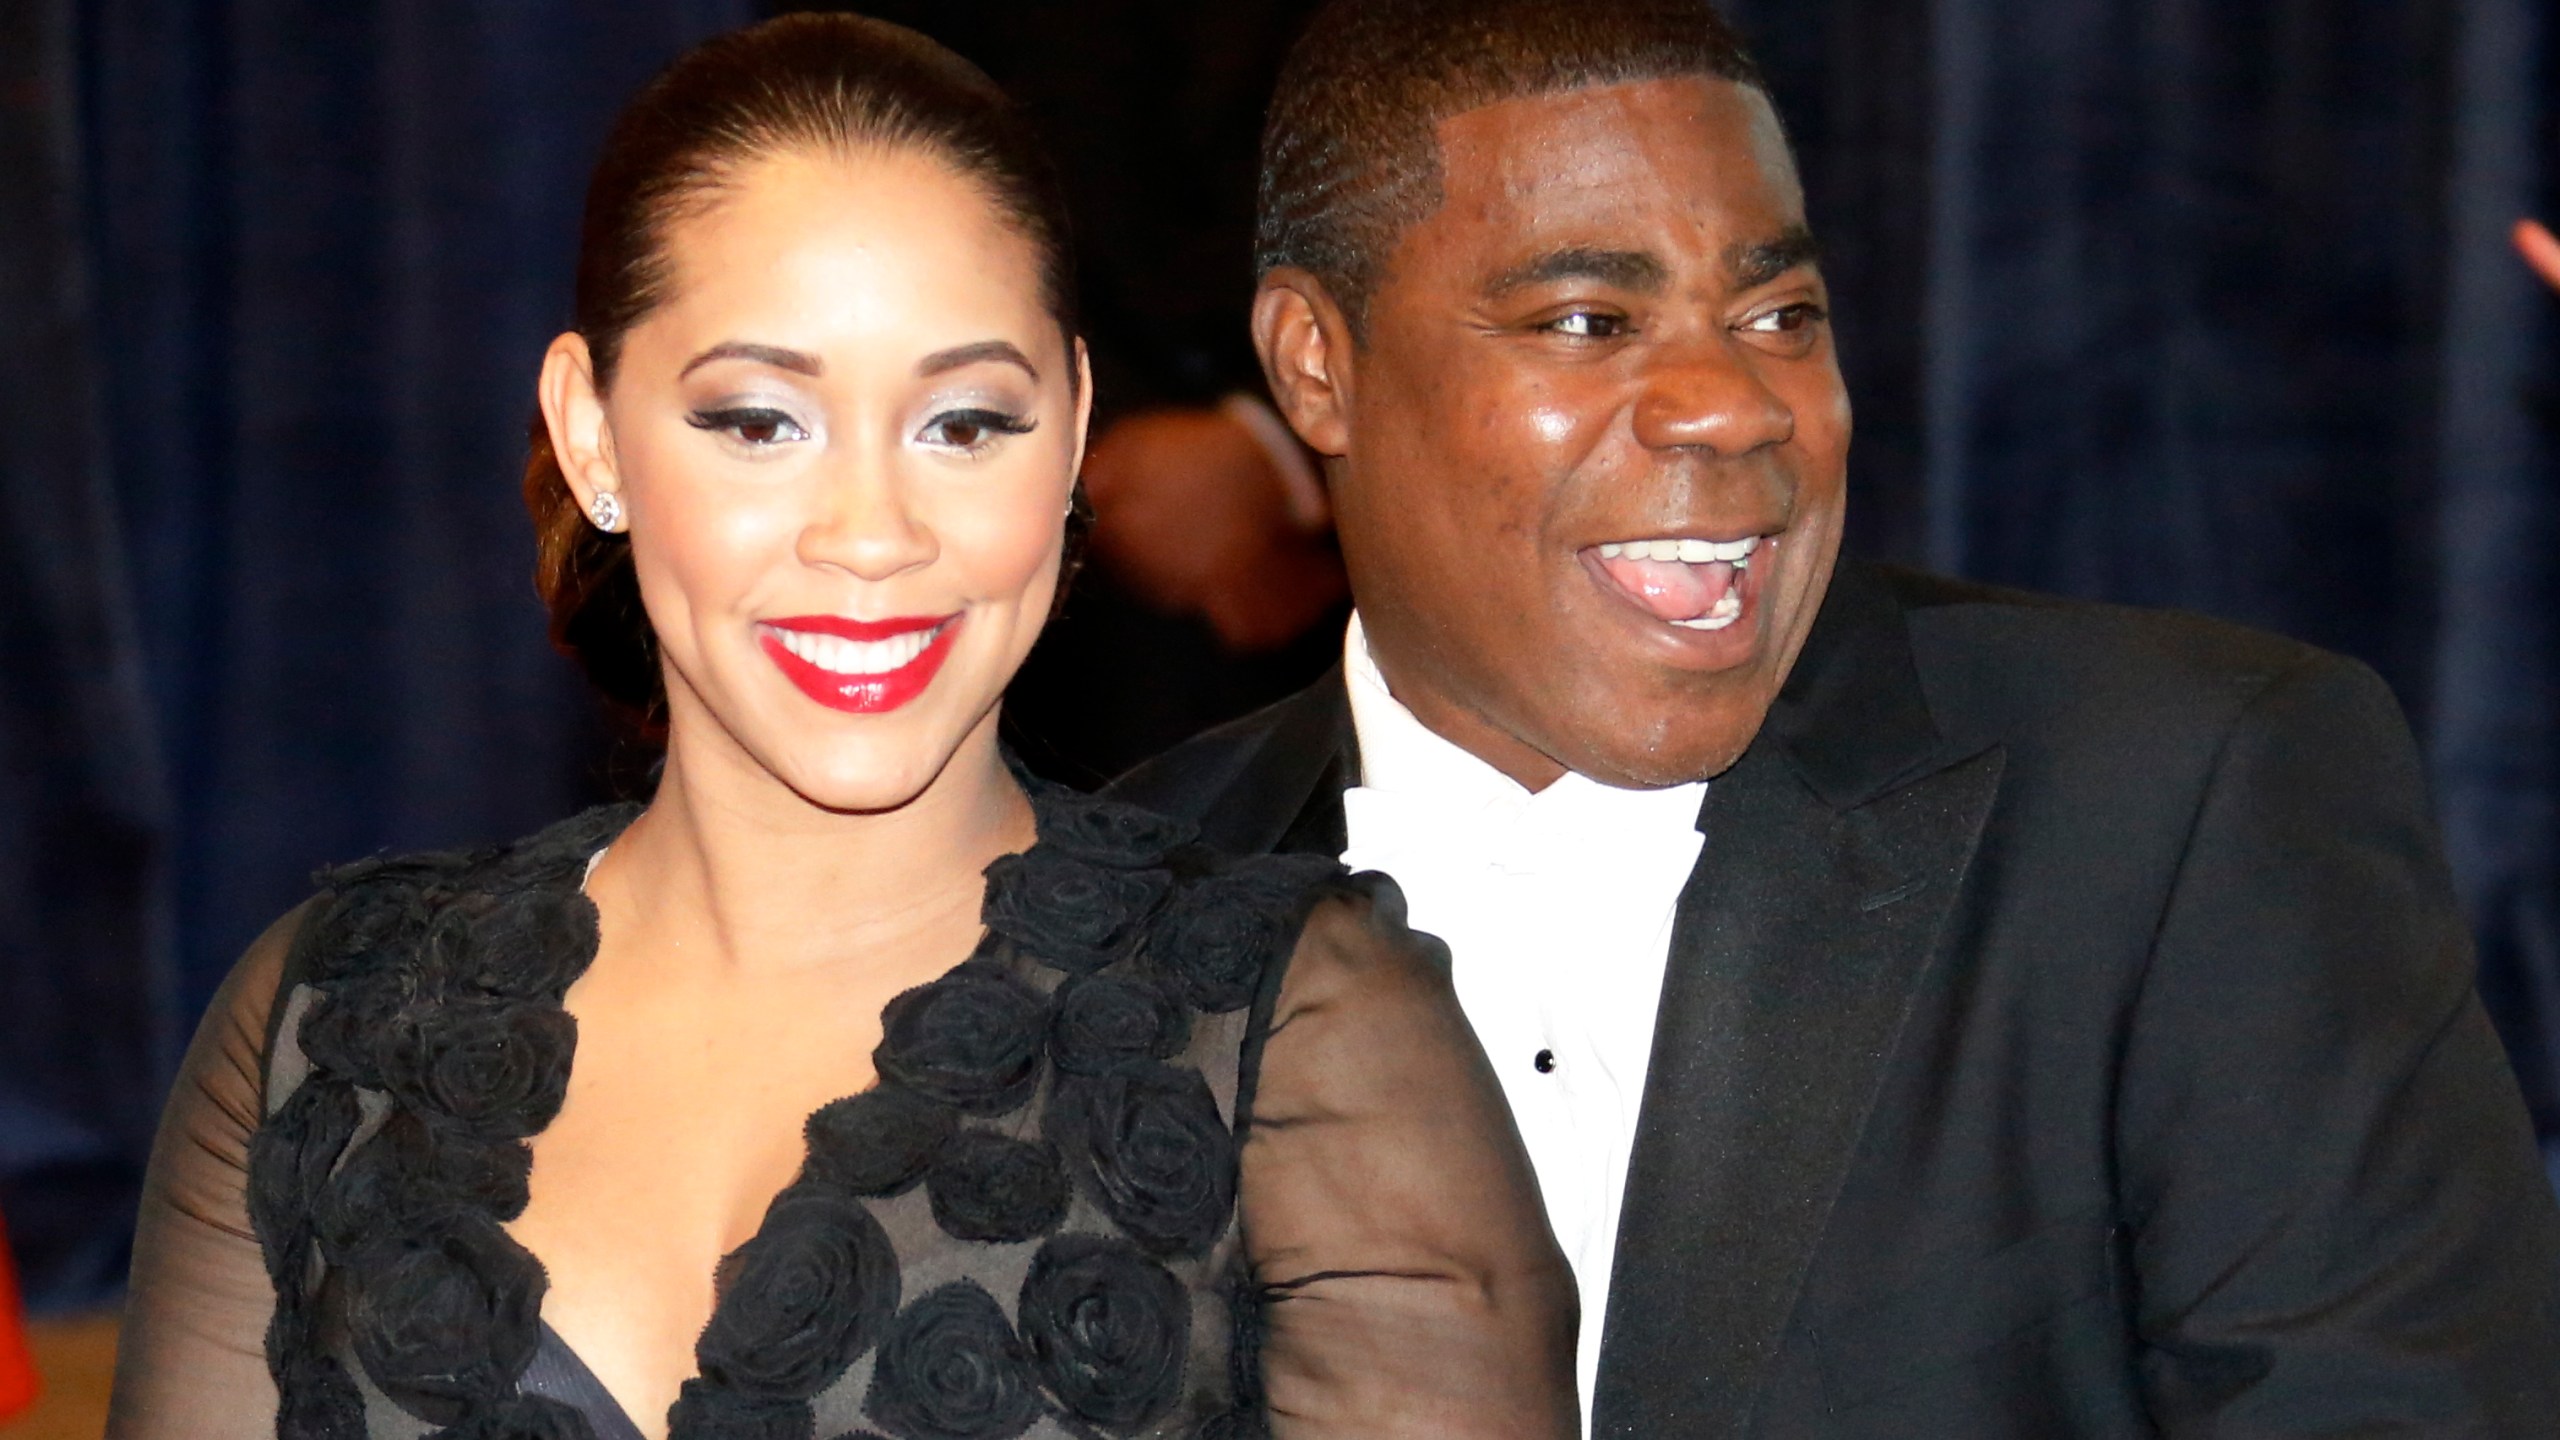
pixel 1932 1011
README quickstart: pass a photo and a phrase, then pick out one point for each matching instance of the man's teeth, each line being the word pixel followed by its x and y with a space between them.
pixel 1726 611
pixel 856 657
pixel 1687 552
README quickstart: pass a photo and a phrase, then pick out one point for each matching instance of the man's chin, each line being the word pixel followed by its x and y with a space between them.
pixel 1684 744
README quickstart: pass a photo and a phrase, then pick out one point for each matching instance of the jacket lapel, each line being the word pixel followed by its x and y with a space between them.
pixel 1834 852
pixel 1302 754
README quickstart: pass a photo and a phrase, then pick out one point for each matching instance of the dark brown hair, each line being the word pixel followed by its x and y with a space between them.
pixel 833 82
pixel 1350 157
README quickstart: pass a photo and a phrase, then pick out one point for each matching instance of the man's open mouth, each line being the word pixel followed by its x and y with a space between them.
pixel 1692 583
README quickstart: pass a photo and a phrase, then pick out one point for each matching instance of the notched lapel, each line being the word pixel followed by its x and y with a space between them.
pixel 1834 853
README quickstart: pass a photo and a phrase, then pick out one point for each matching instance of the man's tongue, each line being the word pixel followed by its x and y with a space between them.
pixel 1671 589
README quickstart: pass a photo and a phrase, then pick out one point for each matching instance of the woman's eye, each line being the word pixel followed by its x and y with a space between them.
pixel 1588 325
pixel 749 425
pixel 972 430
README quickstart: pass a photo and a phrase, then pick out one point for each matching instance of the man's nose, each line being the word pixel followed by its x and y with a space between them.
pixel 864 524
pixel 1709 396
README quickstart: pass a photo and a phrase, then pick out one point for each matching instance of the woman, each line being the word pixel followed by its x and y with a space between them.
pixel 857 1085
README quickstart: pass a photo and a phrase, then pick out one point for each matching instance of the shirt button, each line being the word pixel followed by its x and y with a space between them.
pixel 1546 1062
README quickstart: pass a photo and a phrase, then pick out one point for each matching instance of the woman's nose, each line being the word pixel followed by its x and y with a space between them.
pixel 863 525
pixel 1709 396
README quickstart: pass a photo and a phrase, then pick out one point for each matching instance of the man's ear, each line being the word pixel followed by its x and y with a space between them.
pixel 574 414
pixel 1305 343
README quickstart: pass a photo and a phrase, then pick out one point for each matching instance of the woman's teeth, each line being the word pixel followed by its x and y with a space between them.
pixel 1688 552
pixel 840 656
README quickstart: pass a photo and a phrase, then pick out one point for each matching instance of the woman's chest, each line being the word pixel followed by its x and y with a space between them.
pixel 680 1125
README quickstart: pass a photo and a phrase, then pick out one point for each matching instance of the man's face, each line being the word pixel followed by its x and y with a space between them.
pixel 1596 439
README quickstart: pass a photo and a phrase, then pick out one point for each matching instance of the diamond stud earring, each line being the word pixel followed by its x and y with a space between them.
pixel 606 512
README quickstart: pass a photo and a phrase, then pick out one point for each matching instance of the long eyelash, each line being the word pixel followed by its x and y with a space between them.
pixel 995 420
pixel 736 416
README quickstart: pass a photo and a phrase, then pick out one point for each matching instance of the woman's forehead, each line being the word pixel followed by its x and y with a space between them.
pixel 854 246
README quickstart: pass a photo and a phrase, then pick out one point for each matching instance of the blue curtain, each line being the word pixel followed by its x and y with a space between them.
pixel 270 328
pixel 2210 304
pixel 2191 302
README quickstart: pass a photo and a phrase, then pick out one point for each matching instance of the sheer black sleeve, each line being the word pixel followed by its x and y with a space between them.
pixel 1411 1286
pixel 191 1362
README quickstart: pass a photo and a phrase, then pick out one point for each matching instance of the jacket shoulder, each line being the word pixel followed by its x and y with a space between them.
pixel 2009 665
pixel 1197 780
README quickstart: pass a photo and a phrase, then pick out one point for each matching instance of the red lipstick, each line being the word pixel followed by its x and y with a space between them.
pixel 861 667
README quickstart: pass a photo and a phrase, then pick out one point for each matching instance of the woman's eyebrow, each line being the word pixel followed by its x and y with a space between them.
pixel 794 361
pixel 959 355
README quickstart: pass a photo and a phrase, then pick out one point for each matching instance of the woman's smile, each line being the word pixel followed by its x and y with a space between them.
pixel 862 667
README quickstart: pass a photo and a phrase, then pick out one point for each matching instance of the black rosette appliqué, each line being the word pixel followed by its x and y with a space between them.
pixel 446 1321
pixel 1151 1148
pixel 289 1160
pixel 369 926
pixel 414 1176
pixel 994 1188
pixel 1074 914
pixel 704 1411
pixel 343 1032
pixel 533 945
pixel 1218 937
pixel 878 1142
pixel 1106 832
pixel 316 1398
pixel 499 1067
pixel 804 1298
pixel 1108 1329
pixel 952 1369
pixel 970 1039
pixel 1103 1023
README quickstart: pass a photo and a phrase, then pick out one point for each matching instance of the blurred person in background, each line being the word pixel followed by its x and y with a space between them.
pixel 2540 249
pixel 1213 584
pixel 856 1082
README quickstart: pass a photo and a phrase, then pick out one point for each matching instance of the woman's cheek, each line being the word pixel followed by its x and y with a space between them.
pixel 1012 544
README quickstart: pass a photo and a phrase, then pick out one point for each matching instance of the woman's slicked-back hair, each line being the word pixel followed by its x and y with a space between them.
pixel 831 83
pixel 1350 154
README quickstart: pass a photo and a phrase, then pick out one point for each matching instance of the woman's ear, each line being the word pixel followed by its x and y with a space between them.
pixel 574 414
pixel 1305 343
pixel 1084 403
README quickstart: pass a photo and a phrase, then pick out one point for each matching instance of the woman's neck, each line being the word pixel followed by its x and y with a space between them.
pixel 731 868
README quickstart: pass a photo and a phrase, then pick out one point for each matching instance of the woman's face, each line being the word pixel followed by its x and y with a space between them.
pixel 845 445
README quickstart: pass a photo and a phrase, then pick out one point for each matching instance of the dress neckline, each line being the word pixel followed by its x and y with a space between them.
pixel 495 942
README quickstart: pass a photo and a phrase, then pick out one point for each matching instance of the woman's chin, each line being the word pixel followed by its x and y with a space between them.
pixel 887 772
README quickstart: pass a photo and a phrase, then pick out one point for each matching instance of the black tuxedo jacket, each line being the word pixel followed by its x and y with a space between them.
pixel 2069 1031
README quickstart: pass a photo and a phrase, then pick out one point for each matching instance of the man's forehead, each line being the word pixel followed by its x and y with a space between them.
pixel 1581 158
pixel 1616 183
pixel 1589 128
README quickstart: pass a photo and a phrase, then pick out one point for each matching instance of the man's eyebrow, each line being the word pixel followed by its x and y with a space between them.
pixel 1756 265
pixel 959 355
pixel 774 355
pixel 1624 269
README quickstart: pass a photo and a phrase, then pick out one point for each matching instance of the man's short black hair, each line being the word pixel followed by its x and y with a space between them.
pixel 1350 157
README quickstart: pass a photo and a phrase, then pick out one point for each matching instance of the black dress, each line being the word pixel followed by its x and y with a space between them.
pixel 1187 1147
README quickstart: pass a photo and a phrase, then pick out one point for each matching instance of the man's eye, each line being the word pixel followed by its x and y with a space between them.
pixel 1588 325
pixel 749 425
pixel 972 430
pixel 1788 319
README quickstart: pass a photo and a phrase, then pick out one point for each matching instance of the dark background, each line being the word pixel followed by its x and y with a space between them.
pixel 2202 303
